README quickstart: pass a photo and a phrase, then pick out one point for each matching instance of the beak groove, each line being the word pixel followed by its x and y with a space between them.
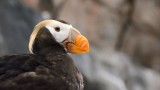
pixel 77 44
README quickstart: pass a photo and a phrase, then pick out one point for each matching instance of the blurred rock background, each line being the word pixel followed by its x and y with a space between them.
pixel 124 36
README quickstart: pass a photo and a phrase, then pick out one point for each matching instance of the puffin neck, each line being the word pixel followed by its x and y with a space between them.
pixel 51 50
pixel 45 43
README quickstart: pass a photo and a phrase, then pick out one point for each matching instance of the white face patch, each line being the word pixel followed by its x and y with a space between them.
pixel 63 32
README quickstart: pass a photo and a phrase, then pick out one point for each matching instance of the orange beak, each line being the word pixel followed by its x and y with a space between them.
pixel 77 43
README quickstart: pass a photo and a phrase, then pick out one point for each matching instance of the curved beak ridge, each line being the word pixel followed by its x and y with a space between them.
pixel 77 43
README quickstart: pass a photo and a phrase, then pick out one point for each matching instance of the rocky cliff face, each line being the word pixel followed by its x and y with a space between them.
pixel 124 42
pixel 123 34
pixel 16 24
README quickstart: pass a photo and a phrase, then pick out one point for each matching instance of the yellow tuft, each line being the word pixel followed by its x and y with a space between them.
pixel 35 32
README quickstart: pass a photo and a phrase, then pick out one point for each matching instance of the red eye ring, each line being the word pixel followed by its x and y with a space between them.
pixel 57 29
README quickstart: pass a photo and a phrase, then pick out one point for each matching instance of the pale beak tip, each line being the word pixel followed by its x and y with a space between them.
pixel 85 46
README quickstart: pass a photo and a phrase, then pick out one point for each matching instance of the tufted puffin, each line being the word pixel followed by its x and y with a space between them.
pixel 48 67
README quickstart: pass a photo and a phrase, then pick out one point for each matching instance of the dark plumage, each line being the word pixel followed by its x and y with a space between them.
pixel 53 71
pixel 49 68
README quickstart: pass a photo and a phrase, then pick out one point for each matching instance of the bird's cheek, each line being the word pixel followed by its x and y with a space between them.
pixel 80 45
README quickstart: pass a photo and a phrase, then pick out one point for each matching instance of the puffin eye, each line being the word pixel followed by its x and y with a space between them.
pixel 57 29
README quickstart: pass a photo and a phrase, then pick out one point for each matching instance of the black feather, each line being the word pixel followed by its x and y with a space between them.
pixel 50 68
pixel 62 21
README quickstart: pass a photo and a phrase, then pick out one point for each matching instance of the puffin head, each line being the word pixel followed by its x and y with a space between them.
pixel 60 32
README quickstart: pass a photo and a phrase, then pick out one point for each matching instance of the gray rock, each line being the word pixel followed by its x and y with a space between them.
pixel 16 24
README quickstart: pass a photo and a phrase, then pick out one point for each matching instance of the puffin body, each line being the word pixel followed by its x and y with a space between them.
pixel 49 67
